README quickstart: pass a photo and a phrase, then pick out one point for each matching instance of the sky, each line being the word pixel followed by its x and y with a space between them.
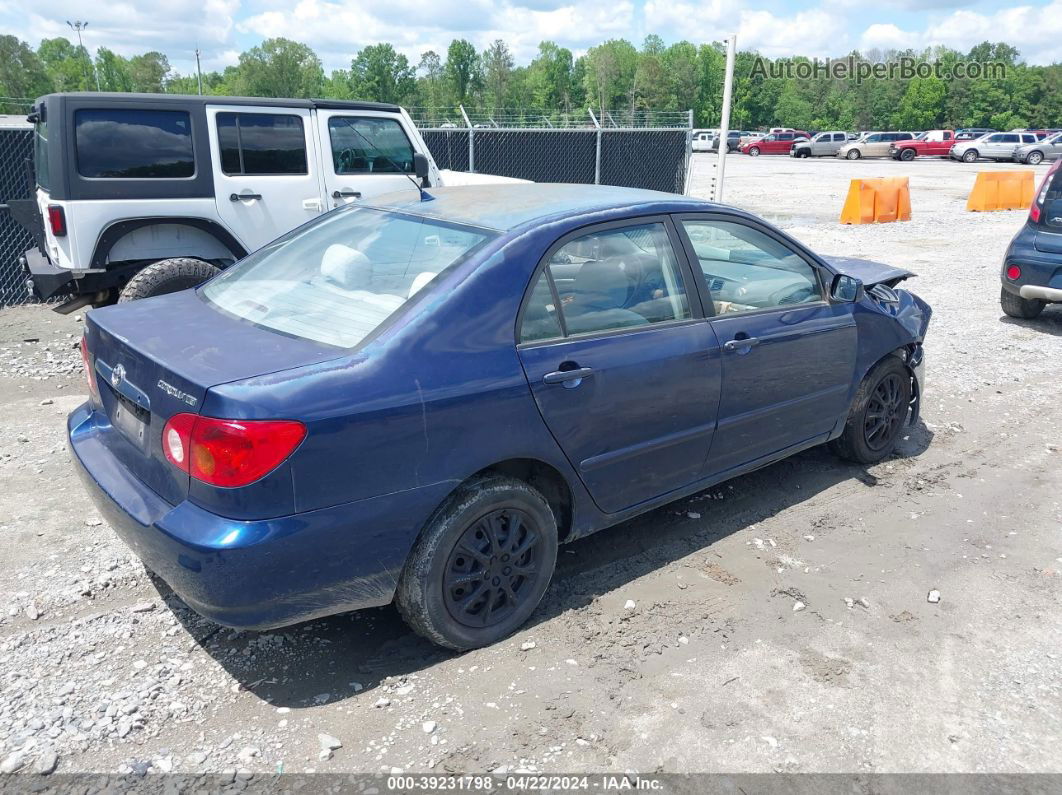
pixel 337 29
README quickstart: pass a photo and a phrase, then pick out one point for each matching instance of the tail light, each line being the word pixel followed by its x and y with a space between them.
pixel 1013 272
pixel 1036 208
pixel 229 453
pixel 90 374
pixel 57 220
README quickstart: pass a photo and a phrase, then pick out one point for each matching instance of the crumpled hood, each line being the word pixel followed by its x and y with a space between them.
pixel 868 271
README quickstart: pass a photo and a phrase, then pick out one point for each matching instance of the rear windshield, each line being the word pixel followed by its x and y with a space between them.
pixel 40 155
pixel 336 281
pixel 134 144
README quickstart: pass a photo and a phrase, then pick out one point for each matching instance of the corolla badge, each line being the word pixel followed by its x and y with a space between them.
pixel 170 389
pixel 117 375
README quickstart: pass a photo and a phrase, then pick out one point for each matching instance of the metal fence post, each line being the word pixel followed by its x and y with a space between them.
pixel 597 147
pixel 724 122
pixel 689 153
pixel 471 141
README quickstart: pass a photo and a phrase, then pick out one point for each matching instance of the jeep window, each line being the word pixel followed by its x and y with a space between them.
pixel 133 144
pixel 40 154
pixel 366 145
pixel 261 143
pixel 335 281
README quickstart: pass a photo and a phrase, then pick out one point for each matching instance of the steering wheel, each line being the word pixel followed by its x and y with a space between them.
pixel 797 294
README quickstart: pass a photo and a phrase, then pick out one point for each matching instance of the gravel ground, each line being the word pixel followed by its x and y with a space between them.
pixel 714 668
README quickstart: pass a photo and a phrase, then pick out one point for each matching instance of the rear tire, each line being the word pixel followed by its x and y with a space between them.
pixel 481 565
pixel 1021 308
pixel 167 276
pixel 878 415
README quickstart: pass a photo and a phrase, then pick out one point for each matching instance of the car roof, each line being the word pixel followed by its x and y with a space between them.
pixel 509 206
pixel 206 99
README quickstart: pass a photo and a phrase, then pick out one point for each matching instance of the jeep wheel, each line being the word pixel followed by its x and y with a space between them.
pixel 907 154
pixel 1034 158
pixel 854 154
pixel 167 276
pixel 970 156
pixel 481 565
pixel 1021 308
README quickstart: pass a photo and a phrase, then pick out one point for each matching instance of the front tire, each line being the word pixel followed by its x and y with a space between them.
pixel 1021 308
pixel 854 154
pixel 481 565
pixel 1034 158
pixel 878 414
pixel 907 155
pixel 970 156
pixel 167 276
pixel 754 151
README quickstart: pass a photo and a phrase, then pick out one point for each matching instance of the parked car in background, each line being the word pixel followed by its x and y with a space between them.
pixel 733 140
pixel 703 141
pixel 970 133
pixel 933 143
pixel 993 146
pixel 824 144
pixel 1049 149
pixel 1032 266
pixel 872 144
pixel 774 143
pixel 419 400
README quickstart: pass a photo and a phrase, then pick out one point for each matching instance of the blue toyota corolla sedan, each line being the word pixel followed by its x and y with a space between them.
pixel 418 400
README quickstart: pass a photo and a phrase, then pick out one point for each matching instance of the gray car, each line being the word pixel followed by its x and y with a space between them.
pixel 1033 154
pixel 993 146
pixel 825 144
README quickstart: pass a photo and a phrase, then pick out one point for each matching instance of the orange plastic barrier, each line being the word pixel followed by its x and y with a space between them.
pixel 1001 190
pixel 877 200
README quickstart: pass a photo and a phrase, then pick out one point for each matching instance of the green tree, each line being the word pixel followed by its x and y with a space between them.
pixel 610 71
pixel 276 68
pixel 430 84
pixel 112 71
pixel 550 79
pixel 497 73
pixel 381 74
pixel 68 67
pixel 462 69
pixel 148 72
pixel 22 74
pixel 922 106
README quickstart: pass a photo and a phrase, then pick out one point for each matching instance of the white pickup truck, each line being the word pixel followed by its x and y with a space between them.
pixel 145 194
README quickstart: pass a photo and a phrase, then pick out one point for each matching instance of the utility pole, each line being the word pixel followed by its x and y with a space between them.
pixel 724 122
pixel 199 71
pixel 79 26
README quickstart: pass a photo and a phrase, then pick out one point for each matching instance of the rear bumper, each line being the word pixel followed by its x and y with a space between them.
pixel 45 279
pixel 255 574
pixel 1033 291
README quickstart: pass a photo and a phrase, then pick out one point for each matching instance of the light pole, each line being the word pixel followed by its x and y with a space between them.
pixel 79 26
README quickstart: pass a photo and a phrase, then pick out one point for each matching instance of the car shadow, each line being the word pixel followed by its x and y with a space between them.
pixel 345 656
pixel 1049 321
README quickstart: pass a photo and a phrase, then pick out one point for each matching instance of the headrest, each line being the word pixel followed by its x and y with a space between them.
pixel 603 284
pixel 346 266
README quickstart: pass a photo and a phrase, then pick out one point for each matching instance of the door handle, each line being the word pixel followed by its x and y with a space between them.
pixel 570 378
pixel 738 344
pixel 346 194
pixel 235 197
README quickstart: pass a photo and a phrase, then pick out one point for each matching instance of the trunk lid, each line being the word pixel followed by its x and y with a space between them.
pixel 159 356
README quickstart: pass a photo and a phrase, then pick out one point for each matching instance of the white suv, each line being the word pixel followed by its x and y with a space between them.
pixel 145 194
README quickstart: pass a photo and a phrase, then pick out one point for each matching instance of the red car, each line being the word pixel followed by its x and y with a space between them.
pixel 935 143
pixel 775 143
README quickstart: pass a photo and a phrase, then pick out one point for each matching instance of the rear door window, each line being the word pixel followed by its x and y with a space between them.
pixel 116 143
pixel 261 143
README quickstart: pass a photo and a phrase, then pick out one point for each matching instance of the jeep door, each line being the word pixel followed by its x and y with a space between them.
pixel 364 153
pixel 266 179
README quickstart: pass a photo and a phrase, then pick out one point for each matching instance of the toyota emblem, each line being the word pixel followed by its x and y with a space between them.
pixel 117 375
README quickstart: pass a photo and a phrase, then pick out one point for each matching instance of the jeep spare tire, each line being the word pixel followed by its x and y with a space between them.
pixel 167 276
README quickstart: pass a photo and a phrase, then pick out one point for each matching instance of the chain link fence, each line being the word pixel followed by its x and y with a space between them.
pixel 637 149
pixel 16 146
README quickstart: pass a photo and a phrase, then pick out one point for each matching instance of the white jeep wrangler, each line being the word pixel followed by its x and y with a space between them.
pixel 144 194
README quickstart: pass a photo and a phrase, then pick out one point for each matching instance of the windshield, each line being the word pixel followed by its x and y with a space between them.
pixel 1054 139
pixel 336 281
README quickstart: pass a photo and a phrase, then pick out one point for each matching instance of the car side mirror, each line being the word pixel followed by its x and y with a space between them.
pixel 421 167
pixel 846 288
